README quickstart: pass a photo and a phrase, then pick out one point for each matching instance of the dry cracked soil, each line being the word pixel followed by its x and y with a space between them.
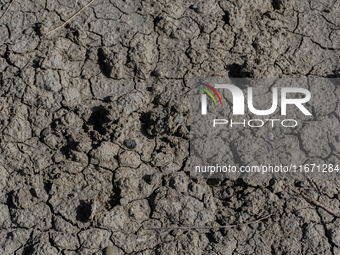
pixel 94 122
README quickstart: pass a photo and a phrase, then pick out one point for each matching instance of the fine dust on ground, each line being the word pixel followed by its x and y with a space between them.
pixel 94 122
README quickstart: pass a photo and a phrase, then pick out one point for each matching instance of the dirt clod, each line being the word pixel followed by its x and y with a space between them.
pixel 131 144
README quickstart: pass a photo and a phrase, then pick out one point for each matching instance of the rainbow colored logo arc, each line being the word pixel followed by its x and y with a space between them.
pixel 209 93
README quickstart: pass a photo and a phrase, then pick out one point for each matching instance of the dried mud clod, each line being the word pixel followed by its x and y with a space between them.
pixel 164 120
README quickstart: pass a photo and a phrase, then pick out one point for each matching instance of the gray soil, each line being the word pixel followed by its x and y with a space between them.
pixel 94 122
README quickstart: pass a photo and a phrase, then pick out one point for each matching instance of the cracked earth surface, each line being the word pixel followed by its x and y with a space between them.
pixel 94 126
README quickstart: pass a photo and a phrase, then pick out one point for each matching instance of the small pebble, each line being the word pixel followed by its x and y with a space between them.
pixel 45 131
pixel 156 73
pixel 294 225
pixel 270 136
pixel 123 201
pixel 111 250
pixel 35 192
pixel 131 144
pixel 194 6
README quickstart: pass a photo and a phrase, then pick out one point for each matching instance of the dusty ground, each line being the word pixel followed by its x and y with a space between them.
pixel 75 102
